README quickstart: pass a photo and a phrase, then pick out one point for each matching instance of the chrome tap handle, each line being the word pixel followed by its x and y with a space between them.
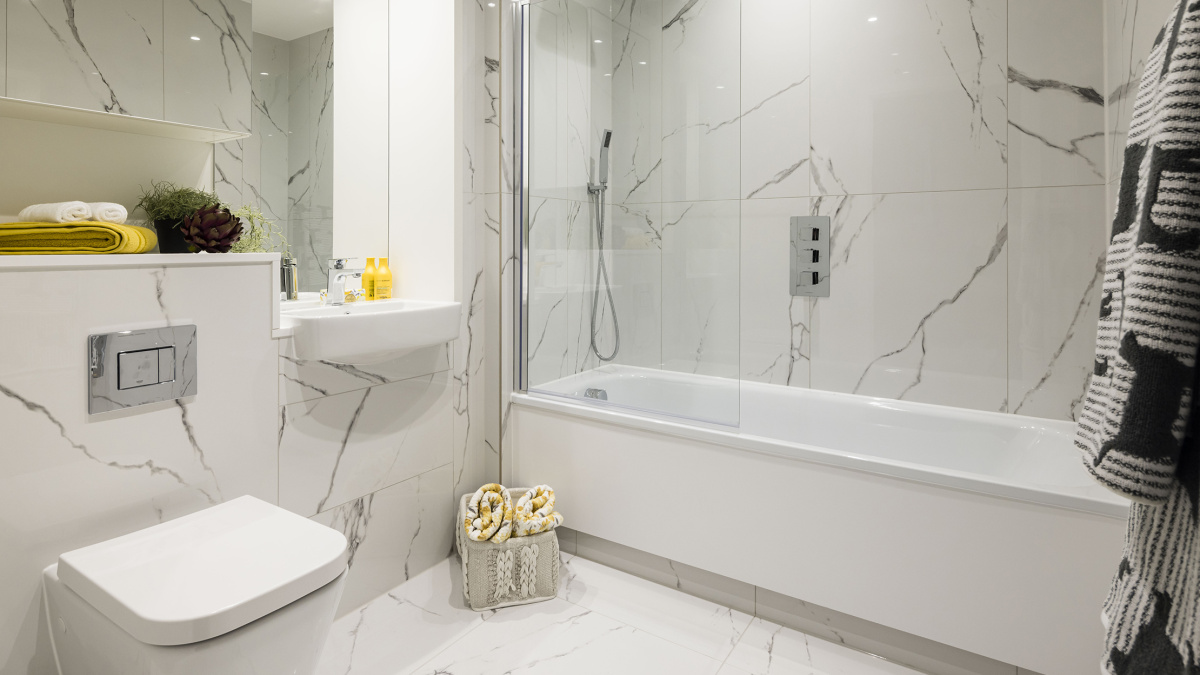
pixel 338 263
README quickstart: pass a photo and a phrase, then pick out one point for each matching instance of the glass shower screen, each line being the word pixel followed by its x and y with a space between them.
pixel 630 186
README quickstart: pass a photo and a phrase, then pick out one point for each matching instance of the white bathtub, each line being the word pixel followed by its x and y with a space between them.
pixel 1007 455
pixel 979 530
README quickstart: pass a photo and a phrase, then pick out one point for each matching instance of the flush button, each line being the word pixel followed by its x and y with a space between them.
pixel 166 364
pixel 138 369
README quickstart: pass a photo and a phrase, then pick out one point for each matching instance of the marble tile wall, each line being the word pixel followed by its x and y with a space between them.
pixel 1131 26
pixel 370 450
pixel 959 149
pixel 68 479
pixel 266 170
pixel 310 157
pixel 92 57
pixel 287 171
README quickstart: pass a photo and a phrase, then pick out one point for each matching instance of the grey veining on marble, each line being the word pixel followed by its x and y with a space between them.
pixel 345 446
pixel 394 534
pixel 266 155
pixel 930 92
pixel 1056 110
pixel 99 56
pixel 208 79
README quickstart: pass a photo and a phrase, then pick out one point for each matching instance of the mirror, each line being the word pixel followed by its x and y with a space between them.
pixel 291 150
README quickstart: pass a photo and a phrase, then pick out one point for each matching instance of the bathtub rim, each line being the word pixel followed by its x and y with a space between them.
pixel 735 440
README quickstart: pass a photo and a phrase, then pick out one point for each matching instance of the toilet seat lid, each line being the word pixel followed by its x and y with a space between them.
pixel 205 574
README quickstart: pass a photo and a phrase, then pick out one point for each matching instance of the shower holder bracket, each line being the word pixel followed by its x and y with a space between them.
pixel 810 256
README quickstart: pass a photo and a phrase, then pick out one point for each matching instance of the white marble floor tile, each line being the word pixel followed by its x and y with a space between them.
pixel 770 649
pixel 604 621
pixel 699 625
pixel 398 631
pixel 558 637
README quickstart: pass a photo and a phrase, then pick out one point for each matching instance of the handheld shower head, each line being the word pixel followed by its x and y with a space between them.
pixel 602 168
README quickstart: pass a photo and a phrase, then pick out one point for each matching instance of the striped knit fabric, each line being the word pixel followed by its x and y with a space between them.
pixel 1137 431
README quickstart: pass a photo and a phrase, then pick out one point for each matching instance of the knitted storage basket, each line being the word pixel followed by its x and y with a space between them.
pixel 519 571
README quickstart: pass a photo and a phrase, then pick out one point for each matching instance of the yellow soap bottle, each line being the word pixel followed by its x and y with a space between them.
pixel 368 279
pixel 383 281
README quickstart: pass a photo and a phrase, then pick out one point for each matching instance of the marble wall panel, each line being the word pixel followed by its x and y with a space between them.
pixel 917 310
pixel 776 337
pixel 310 150
pixel 1056 268
pixel 1055 104
pixel 700 287
pixel 69 479
pixel 266 172
pixel 1131 27
pixel 909 99
pixel 339 448
pixel 208 79
pixel 637 93
pixel 394 534
pixel 701 105
pixel 98 56
pixel 775 99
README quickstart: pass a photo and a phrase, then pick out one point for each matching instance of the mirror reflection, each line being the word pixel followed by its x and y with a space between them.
pixel 291 150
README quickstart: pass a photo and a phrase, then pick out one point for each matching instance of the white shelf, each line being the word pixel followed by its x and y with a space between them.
pixel 78 117
pixel 75 262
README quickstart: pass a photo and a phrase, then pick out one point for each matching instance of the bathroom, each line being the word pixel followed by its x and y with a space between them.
pixel 706 267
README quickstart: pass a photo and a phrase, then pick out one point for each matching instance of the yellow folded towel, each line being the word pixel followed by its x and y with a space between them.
pixel 74 238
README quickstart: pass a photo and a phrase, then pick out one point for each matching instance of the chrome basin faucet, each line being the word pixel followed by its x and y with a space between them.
pixel 338 274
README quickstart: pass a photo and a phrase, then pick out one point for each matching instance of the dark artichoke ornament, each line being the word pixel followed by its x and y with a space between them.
pixel 213 229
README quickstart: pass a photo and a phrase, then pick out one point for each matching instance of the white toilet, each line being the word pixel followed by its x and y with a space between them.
pixel 240 588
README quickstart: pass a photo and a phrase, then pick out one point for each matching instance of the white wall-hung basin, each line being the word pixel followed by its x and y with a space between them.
pixel 368 332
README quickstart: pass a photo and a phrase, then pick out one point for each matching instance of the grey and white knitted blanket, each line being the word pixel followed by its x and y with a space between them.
pixel 1138 430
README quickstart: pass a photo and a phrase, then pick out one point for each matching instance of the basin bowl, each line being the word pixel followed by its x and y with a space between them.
pixel 368 332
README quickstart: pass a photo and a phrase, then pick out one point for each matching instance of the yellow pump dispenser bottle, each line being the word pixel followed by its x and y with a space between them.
pixel 368 279
pixel 383 281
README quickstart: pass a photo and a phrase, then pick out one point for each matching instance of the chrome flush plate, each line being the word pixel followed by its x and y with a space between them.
pixel 137 367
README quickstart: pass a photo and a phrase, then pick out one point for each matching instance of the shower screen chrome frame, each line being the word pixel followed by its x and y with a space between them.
pixel 520 232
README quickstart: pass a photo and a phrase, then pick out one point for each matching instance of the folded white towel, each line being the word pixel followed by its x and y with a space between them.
pixel 107 212
pixel 62 212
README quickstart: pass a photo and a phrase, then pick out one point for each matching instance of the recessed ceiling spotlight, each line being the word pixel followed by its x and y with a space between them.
pixel 608 74
pixel 491 4
pixel 720 86
pixel 873 19
pixel 195 38
pixel 598 41
pixel 641 63
pixel 264 73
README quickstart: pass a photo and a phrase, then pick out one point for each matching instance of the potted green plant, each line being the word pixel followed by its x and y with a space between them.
pixel 167 205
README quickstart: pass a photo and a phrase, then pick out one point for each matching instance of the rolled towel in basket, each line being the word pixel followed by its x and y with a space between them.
pixel 535 512
pixel 490 514
pixel 107 212
pixel 60 212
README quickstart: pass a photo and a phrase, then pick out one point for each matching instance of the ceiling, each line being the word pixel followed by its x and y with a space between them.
pixel 291 19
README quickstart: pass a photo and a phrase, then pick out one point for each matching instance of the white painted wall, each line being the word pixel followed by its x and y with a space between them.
pixel 425 138
pixel 45 162
pixel 360 128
